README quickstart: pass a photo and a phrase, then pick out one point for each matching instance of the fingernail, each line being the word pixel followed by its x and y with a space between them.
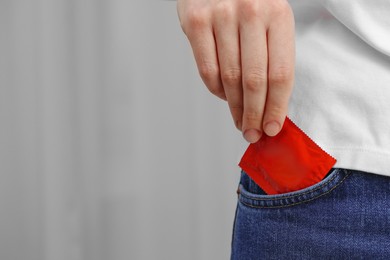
pixel 272 128
pixel 252 135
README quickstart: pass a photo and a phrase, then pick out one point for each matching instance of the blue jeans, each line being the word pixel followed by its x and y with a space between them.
pixel 345 216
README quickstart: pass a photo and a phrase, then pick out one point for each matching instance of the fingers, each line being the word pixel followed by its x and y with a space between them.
pixel 228 46
pixel 281 59
pixel 203 46
pixel 254 72
pixel 245 54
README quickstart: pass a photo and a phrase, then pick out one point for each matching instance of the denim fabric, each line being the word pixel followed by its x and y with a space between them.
pixel 345 216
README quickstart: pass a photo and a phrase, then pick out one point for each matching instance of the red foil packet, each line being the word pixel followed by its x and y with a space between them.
pixel 287 162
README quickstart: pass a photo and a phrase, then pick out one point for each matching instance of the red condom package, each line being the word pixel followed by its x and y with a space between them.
pixel 287 162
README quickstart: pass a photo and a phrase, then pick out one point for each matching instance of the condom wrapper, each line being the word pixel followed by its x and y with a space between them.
pixel 287 162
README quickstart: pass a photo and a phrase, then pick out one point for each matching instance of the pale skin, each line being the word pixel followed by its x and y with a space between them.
pixel 245 54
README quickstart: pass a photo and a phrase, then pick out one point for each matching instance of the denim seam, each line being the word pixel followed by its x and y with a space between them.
pixel 294 195
pixel 297 203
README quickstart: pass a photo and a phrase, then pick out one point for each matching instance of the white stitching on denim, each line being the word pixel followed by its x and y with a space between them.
pixel 297 203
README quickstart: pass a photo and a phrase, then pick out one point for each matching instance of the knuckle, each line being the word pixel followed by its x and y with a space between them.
pixel 223 10
pixel 280 8
pixel 255 8
pixel 280 76
pixel 231 77
pixel 195 19
pixel 249 8
pixel 208 71
pixel 255 80
pixel 236 107
pixel 275 111
pixel 236 110
pixel 252 116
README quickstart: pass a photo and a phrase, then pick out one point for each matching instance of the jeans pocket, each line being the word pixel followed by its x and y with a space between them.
pixel 251 195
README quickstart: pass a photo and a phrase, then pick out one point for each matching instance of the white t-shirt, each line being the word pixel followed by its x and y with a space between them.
pixel 341 95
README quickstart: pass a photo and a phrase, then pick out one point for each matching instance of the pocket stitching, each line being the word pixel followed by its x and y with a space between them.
pixel 294 195
pixel 295 203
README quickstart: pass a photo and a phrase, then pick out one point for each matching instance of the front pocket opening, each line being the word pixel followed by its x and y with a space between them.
pixel 328 184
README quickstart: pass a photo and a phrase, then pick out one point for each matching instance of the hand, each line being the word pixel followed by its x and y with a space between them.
pixel 245 53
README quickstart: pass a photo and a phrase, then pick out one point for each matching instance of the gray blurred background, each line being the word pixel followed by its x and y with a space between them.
pixel 110 145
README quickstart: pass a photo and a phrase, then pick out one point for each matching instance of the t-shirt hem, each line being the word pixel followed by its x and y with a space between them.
pixel 361 159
